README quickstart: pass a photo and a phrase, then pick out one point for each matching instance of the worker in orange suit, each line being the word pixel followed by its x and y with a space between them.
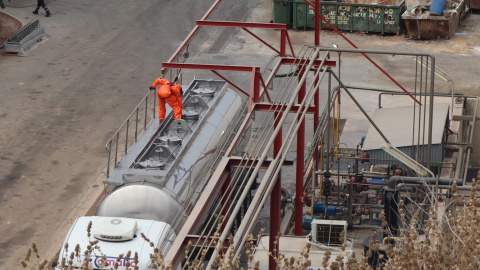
pixel 170 93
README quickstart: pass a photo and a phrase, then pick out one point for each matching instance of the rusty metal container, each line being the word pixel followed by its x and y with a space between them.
pixel 426 26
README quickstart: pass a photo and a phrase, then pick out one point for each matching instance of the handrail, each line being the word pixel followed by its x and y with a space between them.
pixel 320 129
pixel 123 132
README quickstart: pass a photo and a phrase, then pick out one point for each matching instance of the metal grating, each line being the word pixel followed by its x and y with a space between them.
pixel 24 37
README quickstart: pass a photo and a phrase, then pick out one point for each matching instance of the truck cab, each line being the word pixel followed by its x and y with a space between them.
pixel 102 242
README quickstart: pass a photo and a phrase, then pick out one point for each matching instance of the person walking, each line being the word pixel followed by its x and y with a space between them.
pixel 170 93
pixel 41 3
pixel 2 5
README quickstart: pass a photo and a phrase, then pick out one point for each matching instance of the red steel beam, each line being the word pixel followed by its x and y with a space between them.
pixel 283 38
pixel 366 56
pixel 317 23
pixel 190 36
pixel 278 26
pixel 263 41
pixel 230 82
pixel 256 84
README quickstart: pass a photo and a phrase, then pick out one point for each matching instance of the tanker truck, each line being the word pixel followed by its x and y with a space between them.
pixel 158 180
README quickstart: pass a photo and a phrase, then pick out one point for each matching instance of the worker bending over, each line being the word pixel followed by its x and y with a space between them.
pixel 170 93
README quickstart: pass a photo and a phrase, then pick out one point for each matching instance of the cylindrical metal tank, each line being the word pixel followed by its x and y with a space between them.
pixel 142 201
pixel 165 193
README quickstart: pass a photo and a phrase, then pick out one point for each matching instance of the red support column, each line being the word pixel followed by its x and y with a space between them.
pixel 283 43
pixel 300 165
pixel 226 193
pixel 317 23
pixel 256 84
pixel 275 204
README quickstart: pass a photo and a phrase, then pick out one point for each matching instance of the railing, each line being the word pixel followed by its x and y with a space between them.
pixel 129 131
pixel 320 129
pixel 24 36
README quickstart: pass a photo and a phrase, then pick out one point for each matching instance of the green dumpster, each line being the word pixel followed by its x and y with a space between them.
pixel 351 16
pixel 282 11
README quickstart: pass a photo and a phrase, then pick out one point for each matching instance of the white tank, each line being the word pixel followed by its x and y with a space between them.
pixel 142 201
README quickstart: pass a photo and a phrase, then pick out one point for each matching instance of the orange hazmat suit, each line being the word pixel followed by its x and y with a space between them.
pixel 171 94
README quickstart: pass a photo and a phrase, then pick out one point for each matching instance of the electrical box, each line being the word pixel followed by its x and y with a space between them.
pixel 327 232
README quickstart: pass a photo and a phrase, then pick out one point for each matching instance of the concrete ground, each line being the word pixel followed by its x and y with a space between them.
pixel 60 104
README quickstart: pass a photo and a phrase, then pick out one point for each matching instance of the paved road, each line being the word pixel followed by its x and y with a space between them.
pixel 59 106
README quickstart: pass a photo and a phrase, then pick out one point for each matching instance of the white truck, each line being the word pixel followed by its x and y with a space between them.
pixel 110 240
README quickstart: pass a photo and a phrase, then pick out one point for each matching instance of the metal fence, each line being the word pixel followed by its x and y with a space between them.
pixel 24 37
pixel 130 130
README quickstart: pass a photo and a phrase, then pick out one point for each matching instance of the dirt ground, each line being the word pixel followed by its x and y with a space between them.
pixel 60 105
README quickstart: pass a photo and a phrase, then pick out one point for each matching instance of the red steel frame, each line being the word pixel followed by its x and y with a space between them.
pixel 255 94
pixel 221 176
pixel 277 26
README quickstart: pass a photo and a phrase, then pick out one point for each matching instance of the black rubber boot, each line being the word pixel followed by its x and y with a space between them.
pixel 48 13
pixel 35 11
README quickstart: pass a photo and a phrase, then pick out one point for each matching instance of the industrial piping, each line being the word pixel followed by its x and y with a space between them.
pixel 394 180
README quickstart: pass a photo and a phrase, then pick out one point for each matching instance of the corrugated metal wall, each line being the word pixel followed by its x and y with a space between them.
pixel 378 155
